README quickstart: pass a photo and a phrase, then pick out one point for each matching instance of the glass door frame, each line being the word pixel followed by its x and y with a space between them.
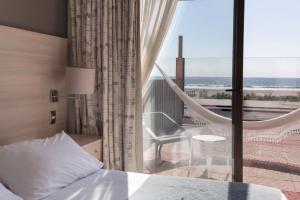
pixel 237 90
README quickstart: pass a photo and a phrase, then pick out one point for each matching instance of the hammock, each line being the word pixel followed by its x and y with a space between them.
pixel 272 130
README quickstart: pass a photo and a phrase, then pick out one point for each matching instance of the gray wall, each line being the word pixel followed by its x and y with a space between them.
pixel 43 16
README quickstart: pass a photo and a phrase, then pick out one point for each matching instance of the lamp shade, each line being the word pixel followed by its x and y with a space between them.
pixel 80 80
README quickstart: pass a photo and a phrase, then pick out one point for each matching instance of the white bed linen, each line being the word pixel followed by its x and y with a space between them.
pixel 104 185
pixel 6 194
pixel 35 169
pixel 116 185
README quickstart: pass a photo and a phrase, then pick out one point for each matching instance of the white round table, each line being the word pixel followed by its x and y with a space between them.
pixel 208 142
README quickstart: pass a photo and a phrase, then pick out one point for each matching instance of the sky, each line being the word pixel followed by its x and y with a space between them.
pixel 271 46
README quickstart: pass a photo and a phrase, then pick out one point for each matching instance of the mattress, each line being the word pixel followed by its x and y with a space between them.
pixel 116 185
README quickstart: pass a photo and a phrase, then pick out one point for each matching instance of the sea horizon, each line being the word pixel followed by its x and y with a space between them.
pixel 249 82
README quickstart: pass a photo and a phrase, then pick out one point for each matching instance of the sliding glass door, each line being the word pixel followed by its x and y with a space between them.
pixel 200 121
pixel 272 94
pixel 187 108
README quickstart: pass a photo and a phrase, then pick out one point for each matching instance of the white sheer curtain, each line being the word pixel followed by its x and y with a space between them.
pixel 156 17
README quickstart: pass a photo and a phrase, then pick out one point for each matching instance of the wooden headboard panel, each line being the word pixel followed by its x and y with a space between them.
pixel 30 65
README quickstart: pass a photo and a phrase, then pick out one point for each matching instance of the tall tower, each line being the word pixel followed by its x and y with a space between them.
pixel 180 76
pixel 180 64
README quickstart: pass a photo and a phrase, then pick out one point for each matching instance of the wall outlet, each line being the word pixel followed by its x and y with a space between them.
pixel 52 117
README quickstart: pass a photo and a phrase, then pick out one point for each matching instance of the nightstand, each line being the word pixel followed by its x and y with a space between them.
pixel 90 143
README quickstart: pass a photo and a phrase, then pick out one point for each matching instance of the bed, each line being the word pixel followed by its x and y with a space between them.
pixel 116 185
pixel 57 168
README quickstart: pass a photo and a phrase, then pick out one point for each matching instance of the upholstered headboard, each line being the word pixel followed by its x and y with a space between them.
pixel 30 65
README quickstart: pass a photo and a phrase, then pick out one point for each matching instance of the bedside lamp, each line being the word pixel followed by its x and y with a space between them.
pixel 79 81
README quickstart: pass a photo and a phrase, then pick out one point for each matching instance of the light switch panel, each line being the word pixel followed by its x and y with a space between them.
pixel 53 96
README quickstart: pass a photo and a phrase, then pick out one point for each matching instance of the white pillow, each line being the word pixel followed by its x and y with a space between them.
pixel 6 194
pixel 35 169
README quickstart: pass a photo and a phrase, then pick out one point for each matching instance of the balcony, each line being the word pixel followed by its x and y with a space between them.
pixel 270 158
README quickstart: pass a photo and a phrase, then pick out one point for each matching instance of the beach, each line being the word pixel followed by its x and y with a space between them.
pixel 266 103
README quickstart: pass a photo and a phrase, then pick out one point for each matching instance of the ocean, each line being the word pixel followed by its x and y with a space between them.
pixel 288 83
pixel 248 82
